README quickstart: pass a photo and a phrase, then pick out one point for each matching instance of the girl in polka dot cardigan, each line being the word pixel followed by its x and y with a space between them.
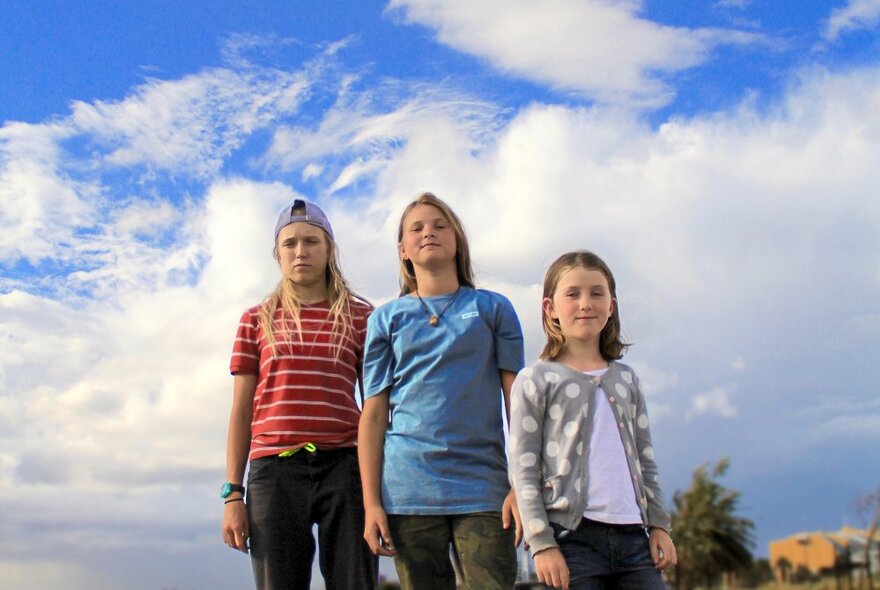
pixel 581 460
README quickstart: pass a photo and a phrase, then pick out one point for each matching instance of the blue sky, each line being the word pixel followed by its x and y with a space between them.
pixel 722 158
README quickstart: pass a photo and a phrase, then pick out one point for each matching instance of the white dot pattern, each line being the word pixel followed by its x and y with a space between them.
pixel 621 391
pixel 627 376
pixel 551 377
pixel 528 459
pixel 529 387
pixel 552 448
pixel 536 525
pixel 529 424
pixel 572 390
pixel 529 492
pixel 643 421
pixel 648 453
pixel 564 467
pixel 570 429
pixel 555 411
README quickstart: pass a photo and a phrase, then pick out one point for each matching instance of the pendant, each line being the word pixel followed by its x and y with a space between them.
pixel 434 321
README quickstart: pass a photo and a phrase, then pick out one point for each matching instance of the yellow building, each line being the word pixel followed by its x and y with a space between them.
pixel 821 552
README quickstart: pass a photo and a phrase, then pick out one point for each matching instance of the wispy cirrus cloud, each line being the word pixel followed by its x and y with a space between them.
pixel 601 50
pixel 857 14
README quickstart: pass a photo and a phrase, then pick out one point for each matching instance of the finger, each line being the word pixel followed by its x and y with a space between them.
pixel 387 541
pixel 371 536
pixel 519 532
pixel 241 541
pixel 656 556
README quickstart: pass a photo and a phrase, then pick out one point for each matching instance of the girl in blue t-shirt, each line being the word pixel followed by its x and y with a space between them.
pixel 581 457
pixel 431 448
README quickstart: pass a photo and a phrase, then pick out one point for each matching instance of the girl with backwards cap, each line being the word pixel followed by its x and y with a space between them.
pixel 296 359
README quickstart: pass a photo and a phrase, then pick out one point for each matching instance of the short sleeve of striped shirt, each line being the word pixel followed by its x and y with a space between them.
pixel 245 350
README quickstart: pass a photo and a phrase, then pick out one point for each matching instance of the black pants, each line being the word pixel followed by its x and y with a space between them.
pixel 285 497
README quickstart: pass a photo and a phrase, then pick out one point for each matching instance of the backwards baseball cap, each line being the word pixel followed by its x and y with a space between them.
pixel 311 213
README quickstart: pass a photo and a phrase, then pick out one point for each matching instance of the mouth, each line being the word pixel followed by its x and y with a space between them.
pixel 429 244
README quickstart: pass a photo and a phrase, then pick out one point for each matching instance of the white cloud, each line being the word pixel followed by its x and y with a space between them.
pixel 603 50
pixel 713 403
pixel 857 14
pixel 188 126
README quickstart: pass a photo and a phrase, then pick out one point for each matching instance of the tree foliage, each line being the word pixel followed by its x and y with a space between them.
pixel 709 536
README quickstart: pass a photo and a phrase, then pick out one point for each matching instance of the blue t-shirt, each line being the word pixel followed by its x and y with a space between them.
pixel 444 447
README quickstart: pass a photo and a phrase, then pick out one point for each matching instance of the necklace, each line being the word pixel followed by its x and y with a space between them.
pixel 434 320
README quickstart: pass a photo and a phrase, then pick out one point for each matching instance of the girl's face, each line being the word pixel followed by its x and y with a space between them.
pixel 303 254
pixel 582 303
pixel 428 237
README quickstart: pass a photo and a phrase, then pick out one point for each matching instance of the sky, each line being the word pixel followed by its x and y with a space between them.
pixel 722 157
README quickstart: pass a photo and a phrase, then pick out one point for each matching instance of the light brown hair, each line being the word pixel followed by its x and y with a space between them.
pixel 463 267
pixel 611 344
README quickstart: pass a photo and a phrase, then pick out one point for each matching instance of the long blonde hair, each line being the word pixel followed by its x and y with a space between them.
pixel 463 267
pixel 611 344
pixel 339 295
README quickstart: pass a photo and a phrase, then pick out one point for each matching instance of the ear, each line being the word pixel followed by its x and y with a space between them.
pixel 613 307
pixel 548 309
pixel 400 251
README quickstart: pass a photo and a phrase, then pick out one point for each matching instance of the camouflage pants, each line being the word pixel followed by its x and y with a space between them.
pixel 483 549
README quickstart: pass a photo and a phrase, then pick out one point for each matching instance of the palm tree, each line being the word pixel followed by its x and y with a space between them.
pixel 784 567
pixel 709 537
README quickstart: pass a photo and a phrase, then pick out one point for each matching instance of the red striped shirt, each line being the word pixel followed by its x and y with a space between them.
pixel 305 391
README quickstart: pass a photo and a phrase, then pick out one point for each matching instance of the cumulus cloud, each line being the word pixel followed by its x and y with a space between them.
pixel 599 49
pixel 857 14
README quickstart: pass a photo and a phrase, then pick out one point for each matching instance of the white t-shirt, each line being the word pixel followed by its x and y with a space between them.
pixel 611 497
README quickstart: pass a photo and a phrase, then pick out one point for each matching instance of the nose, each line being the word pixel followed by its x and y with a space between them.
pixel 585 303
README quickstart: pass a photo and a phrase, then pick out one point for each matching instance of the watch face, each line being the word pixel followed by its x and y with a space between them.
pixel 225 490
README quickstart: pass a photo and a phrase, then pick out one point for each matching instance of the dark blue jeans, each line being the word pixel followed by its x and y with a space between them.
pixel 608 557
pixel 285 498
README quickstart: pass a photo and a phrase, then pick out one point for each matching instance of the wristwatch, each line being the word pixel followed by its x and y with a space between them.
pixel 227 488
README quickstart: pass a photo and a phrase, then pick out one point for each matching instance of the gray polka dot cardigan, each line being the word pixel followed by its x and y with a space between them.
pixel 551 417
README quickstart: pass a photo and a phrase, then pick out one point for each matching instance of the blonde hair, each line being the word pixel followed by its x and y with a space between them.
pixel 611 344
pixel 463 267
pixel 339 296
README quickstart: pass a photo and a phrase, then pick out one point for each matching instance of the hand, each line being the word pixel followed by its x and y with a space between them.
pixel 235 526
pixel 551 568
pixel 510 509
pixel 376 532
pixel 662 549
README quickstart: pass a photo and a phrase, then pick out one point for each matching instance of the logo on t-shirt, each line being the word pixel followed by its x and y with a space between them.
pixel 470 314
